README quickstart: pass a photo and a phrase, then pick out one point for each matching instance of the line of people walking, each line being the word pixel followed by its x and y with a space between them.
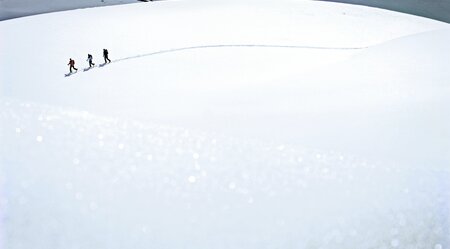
pixel 90 60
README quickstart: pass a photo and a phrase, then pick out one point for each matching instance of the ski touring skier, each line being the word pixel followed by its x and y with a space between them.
pixel 105 56
pixel 72 65
pixel 89 59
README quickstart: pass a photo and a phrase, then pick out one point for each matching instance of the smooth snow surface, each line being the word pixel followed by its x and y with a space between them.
pixel 435 9
pixel 238 124
pixel 19 8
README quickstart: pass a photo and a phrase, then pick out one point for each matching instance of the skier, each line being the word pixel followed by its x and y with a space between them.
pixel 72 65
pixel 105 56
pixel 89 59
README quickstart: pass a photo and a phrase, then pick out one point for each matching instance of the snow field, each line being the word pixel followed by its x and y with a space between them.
pixel 237 124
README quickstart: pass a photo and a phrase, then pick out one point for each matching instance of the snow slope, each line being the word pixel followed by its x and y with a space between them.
pixel 435 9
pixel 19 8
pixel 293 124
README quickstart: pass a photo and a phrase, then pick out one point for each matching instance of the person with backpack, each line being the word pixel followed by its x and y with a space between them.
pixel 89 59
pixel 105 55
pixel 72 65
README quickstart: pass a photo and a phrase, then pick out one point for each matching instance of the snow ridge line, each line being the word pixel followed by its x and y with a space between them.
pixel 237 46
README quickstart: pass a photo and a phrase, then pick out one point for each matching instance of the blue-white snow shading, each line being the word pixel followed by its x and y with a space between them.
pixel 75 180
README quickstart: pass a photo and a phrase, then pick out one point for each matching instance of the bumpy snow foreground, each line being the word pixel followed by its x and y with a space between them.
pixel 237 124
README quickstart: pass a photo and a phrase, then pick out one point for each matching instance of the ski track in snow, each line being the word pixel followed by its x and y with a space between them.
pixel 237 46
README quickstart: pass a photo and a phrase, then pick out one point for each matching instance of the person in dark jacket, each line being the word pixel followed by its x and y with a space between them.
pixel 89 59
pixel 72 65
pixel 105 56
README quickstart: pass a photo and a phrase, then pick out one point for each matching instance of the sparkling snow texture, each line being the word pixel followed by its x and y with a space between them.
pixel 113 183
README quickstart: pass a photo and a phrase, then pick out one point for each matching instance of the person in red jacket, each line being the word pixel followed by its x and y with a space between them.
pixel 72 65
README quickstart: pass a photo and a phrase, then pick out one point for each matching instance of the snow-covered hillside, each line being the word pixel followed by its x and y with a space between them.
pixel 435 9
pixel 18 8
pixel 238 124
